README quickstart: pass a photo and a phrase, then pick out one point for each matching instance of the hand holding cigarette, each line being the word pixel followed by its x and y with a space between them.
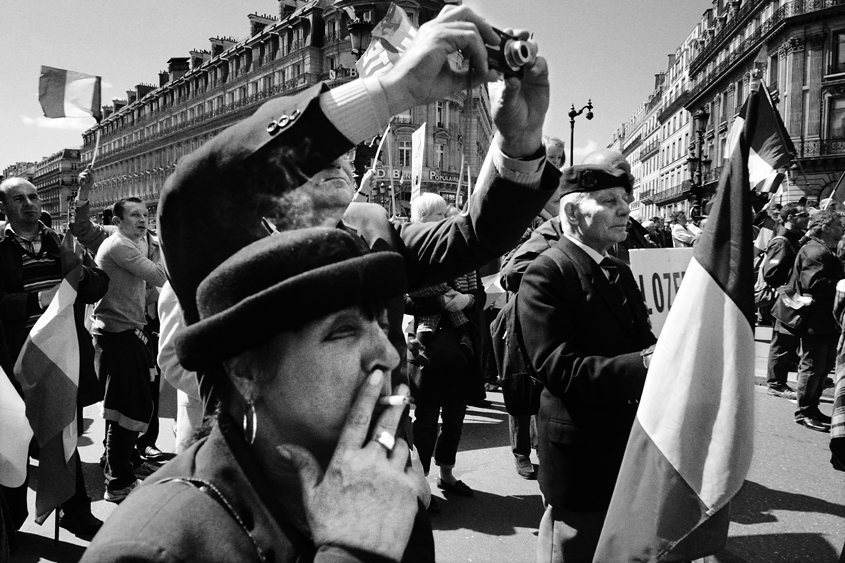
pixel 365 499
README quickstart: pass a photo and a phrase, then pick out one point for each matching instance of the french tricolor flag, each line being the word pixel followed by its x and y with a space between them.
pixel 691 444
pixel 769 148
pixel 66 93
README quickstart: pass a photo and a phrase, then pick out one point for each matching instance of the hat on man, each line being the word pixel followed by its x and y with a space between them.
pixel 591 178
pixel 279 283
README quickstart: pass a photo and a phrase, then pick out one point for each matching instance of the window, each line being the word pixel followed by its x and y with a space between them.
pixel 439 155
pixel 404 153
pixel 740 94
pixel 838 52
pixel 441 113
pixel 773 72
pixel 837 118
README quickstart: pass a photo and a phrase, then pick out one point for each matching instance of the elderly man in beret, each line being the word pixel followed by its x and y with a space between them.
pixel 586 333
pixel 284 165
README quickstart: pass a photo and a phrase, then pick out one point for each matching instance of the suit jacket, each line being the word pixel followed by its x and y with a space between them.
pixel 203 223
pixel 586 349
pixel 169 520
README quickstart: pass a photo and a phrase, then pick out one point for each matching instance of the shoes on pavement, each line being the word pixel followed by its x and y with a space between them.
pixel 458 487
pixel 433 507
pixel 783 391
pixel 146 469
pixel 492 387
pixel 818 416
pixel 524 467
pixel 82 524
pixel 120 494
pixel 812 424
pixel 480 403
pixel 829 383
pixel 152 453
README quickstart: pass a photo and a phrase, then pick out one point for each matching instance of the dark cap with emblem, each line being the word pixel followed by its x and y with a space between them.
pixel 591 178
pixel 279 283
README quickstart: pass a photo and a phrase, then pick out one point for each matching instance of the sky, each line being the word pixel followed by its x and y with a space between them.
pixel 607 51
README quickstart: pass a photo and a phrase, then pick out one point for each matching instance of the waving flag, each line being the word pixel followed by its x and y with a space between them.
pixel 770 147
pixel 391 37
pixel 65 93
pixel 691 444
pixel 48 371
pixel 15 435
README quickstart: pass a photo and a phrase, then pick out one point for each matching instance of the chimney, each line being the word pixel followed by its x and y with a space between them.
pixel 220 44
pixel 658 79
pixel 163 77
pixel 287 7
pixel 142 90
pixel 198 57
pixel 257 23
pixel 177 67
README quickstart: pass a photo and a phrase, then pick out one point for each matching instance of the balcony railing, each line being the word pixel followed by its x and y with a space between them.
pixel 820 147
pixel 675 193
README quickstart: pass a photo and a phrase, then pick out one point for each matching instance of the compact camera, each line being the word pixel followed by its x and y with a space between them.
pixel 511 55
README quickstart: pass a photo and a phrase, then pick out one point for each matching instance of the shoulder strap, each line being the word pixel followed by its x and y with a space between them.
pixel 213 492
pixel 520 342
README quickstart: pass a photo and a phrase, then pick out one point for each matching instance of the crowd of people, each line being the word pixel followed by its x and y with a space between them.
pixel 276 306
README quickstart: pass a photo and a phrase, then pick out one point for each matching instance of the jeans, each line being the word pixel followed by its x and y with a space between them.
pixel 523 434
pixel 781 353
pixel 817 357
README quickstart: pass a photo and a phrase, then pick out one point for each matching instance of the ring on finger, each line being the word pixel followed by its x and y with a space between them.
pixel 386 440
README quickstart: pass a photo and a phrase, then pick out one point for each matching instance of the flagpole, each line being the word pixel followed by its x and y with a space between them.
pixel 378 153
pixel 390 173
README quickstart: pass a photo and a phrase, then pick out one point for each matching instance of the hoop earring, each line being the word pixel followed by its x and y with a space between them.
pixel 250 422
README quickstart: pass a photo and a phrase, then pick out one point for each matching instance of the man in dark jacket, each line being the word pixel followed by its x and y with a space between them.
pixel 31 258
pixel 780 257
pixel 816 272
pixel 586 333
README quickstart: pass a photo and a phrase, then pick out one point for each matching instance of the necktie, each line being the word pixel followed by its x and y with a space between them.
pixel 613 277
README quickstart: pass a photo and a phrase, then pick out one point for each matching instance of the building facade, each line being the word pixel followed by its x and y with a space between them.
pixel 55 178
pixel 142 137
pixel 798 47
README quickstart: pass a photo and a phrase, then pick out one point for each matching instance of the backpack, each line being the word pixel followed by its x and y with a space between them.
pixel 765 294
pixel 521 388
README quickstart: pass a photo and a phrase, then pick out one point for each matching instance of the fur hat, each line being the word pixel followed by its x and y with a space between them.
pixel 279 283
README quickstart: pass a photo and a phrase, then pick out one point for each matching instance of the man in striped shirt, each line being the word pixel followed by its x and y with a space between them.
pixel 30 275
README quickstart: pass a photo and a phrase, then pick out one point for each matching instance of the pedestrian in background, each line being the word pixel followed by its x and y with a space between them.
pixel 815 273
pixel 776 269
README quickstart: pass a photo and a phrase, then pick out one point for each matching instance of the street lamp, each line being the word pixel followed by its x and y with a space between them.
pixel 572 115
pixel 698 162
pixel 359 36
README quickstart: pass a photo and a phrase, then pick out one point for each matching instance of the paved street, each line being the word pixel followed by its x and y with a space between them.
pixel 791 509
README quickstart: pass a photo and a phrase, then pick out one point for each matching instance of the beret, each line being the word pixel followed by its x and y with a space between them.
pixel 279 283
pixel 593 177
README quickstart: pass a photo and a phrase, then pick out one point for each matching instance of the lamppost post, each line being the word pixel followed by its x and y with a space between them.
pixel 572 115
pixel 697 162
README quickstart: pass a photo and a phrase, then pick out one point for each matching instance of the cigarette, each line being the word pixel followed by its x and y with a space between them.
pixel 395 400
